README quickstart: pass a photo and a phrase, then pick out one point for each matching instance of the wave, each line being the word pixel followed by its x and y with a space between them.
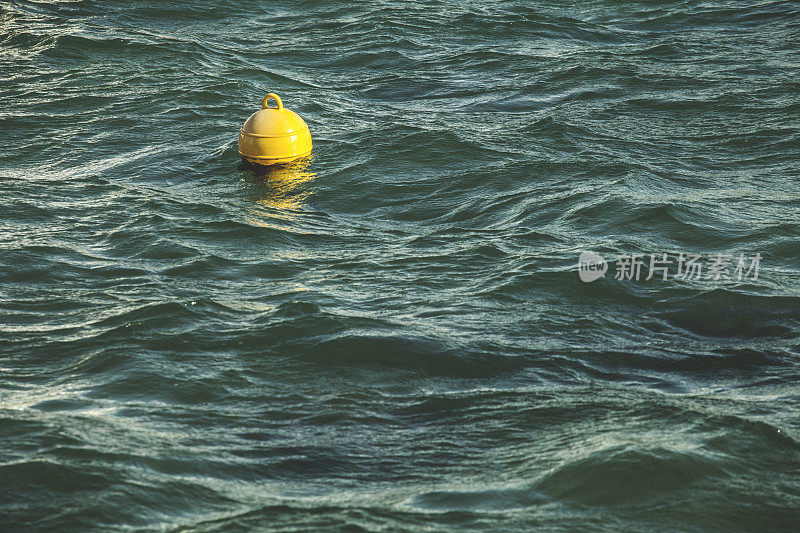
pixel 393 335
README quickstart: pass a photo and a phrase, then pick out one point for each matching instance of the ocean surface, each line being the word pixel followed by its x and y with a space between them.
pixel 395 335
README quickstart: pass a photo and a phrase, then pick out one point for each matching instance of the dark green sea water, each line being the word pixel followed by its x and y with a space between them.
pixel 394 336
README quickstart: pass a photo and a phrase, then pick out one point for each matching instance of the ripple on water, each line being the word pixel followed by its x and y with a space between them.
pixel 392 335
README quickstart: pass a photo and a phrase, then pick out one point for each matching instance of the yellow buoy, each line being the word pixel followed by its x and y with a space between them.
pixel 274 135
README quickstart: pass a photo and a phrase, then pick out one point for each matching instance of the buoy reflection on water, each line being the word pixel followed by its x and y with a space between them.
pixel 279 192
